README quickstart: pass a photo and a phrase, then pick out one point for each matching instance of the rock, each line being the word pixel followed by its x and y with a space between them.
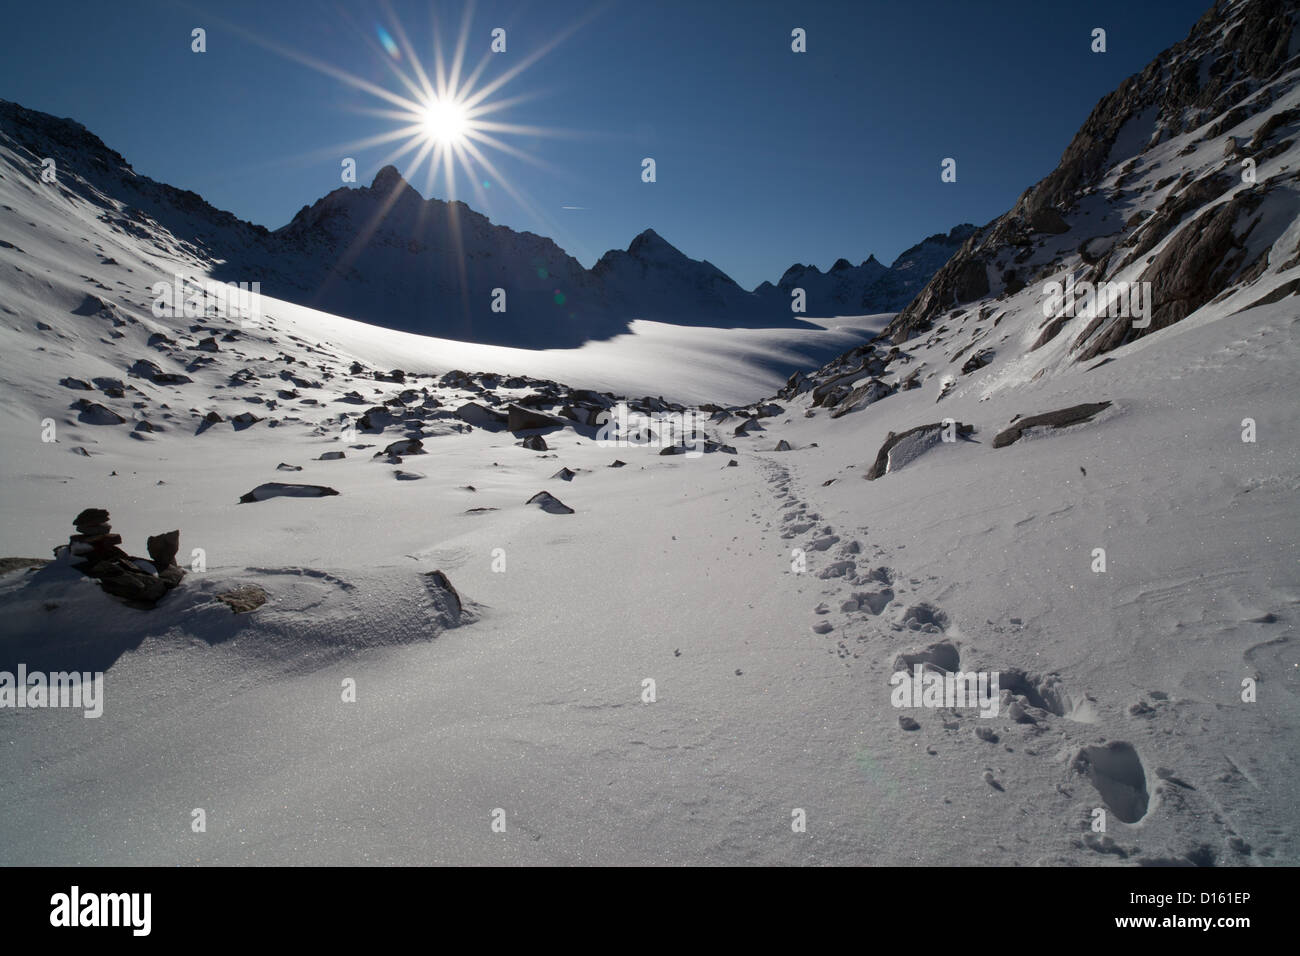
pixel 522 419
pixel 909 444
pixel 907 723
pixel 783 445
pixel 171 576
pixel 275 489
pixel 283 467
pixel 480 416
pixel 75 383
pixel 408 475
pixel 243 599
pixel 616 464
pixel 331 456
pixel 549 503
pixel 91 518
pixel 1061 418
pixel 861 397
pixel 163 547
pixel 208 344
pixel 448 606
pixel 92 413
pixel 732 464
pixel 564 474
pixel 144 368
pixel 405 446
pixel 15 564
pixel 534 443
pixel 977 361
pixel 123 579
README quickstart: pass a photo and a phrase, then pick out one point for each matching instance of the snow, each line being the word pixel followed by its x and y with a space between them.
pixel 770 680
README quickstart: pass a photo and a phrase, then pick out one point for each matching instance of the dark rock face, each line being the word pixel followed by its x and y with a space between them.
pixel 1195 266
pixel 521 419
pixel 480 416
pixel 534 443
pixel 1215 73
pixel 1060 418
pixel 163 548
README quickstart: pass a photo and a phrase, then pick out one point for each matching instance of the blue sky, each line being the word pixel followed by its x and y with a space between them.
pixel 764 157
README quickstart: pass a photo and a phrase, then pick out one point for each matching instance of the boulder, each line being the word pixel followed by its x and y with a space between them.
pixel 520 419
pixel 898 449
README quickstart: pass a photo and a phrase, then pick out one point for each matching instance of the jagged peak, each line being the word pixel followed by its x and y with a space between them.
pixel 388 179
pixel 650 240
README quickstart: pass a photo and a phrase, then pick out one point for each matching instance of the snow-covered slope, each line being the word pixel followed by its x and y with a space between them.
pixel 1130 576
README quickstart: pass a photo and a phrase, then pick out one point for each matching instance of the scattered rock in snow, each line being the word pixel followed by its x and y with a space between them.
pixel 92 413
pixel 1061 418
pixel 406 446
pixel 899 449
pixel 283 467
pixel 534 443
pixel 549 503
pixel 331 456
pixel 276 489
pixel 522 419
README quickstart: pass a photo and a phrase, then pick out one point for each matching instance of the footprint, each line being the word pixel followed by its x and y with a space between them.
pixel 942 655
pixel 925 617
pixel 1116 772
pixel 836 570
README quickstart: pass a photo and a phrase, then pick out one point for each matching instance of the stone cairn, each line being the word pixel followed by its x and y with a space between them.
pixel 95 551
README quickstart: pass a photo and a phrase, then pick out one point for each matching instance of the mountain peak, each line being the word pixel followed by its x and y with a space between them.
pixel 650 240
pixel 388 179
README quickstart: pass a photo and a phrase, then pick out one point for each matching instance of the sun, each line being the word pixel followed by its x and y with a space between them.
pixel 445 122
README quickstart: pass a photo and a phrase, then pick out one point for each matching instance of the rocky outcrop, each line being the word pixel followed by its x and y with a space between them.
pixel 1061 418
pixel 1228 56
